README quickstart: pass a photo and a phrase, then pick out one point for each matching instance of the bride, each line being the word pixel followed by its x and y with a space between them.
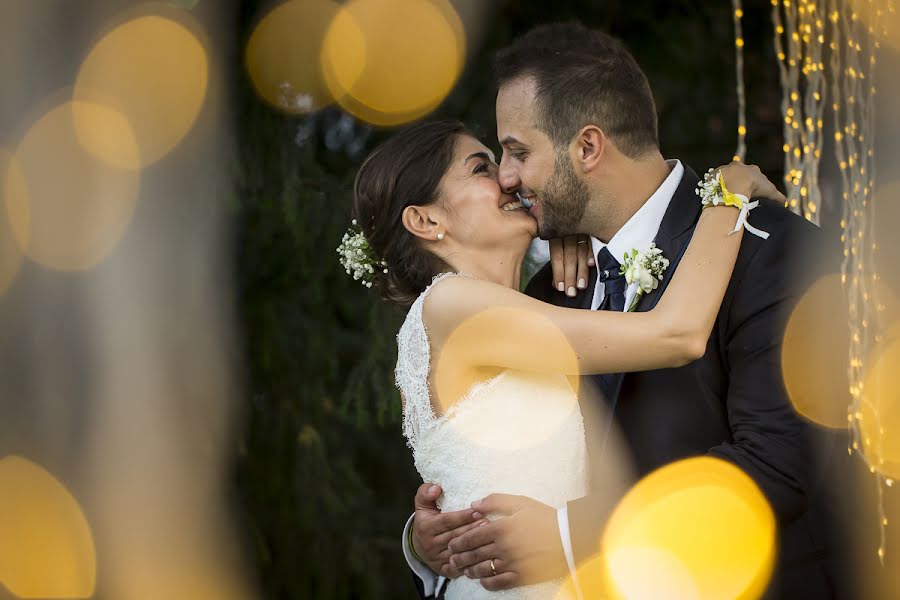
pixel 488 375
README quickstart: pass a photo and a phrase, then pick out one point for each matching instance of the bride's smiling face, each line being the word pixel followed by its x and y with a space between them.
pixel 476 214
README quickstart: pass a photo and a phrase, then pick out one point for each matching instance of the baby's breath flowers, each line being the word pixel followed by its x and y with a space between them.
pixel 358 257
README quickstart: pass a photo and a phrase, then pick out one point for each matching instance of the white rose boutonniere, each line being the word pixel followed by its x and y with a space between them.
pixel 643 271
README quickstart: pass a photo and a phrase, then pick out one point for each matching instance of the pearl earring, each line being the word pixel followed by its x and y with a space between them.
pixel 440 236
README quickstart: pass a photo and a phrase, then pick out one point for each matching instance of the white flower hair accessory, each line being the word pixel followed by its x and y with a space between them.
pixel 712 192
pixel 358 257
pixel 643 271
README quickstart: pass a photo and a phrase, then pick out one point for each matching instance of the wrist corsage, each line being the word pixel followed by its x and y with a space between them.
pixel 712 192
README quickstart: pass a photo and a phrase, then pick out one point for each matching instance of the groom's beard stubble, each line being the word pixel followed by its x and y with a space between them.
pixel 563 201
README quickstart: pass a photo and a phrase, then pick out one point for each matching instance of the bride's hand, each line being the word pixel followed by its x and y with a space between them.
pixel 570 258
pixel 748 180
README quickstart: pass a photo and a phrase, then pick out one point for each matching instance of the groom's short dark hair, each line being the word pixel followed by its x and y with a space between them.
pixel 583 76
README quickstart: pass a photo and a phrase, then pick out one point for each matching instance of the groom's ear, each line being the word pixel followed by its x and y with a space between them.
pixel 420 221
pixel 589 148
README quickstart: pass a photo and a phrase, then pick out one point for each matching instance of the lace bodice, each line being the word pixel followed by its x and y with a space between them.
pixel 517 433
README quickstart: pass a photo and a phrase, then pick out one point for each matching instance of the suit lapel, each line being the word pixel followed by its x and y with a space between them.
pixel 673 236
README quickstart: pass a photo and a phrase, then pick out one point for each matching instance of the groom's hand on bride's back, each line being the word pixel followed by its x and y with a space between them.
pixel 524 546
pixel 432 530
pixel 570 258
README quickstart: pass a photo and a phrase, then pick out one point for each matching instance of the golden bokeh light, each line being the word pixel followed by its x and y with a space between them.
pixel 106 134
pixel 486 417
pixel 10 253
pixel 66 209
pixel 629 565
pixel 703 525
pixel 879 421
pixel 887 215
pixel 814 354
pixel 389 62
pixel 46 546
pixel 154 71
pixel 282 56
pixel 880 18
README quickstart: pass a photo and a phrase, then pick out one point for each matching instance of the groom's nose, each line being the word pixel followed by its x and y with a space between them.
pixel 508 177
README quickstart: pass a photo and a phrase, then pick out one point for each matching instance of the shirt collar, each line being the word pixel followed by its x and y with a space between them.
pixel 643 225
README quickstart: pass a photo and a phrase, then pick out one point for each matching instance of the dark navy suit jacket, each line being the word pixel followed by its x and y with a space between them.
pixel 732 403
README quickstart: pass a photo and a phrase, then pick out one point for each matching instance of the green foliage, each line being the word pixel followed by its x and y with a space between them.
pixel 324 475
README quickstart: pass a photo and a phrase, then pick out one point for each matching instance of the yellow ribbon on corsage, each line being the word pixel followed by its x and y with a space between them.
pixel 713 192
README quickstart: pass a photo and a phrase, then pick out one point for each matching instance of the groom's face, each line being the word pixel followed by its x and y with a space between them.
pixel 533 167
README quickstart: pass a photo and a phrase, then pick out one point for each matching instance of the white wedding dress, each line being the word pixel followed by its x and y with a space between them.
pixel 517 433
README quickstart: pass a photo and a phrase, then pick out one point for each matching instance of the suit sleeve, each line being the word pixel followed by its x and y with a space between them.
pixel 771 442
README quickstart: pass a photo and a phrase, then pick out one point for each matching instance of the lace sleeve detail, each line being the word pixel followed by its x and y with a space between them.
pixel 413 369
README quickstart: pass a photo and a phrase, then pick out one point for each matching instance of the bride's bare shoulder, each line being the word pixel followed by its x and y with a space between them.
pixel 453 300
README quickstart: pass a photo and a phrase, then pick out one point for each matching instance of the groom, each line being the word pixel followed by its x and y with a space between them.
pixel 578 127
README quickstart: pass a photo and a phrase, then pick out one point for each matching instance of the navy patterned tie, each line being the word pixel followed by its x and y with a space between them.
pixel 613 299
pixel 614 283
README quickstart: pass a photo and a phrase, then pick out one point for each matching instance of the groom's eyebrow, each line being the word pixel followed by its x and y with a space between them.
pixel 509 141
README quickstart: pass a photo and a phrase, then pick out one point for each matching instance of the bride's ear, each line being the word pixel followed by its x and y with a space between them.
pixel 422 222
pixel 588 147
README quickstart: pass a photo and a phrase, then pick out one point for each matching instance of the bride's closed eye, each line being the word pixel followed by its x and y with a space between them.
pixel 483 167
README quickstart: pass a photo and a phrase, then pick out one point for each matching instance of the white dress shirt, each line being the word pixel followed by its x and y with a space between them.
pixel 638 232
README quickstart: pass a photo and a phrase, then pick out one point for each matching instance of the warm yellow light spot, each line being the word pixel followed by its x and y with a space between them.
pixel 739 42
pixel 10 253
pixel 392 61
pixel 106 134
pixel 153 70
pixel 704 526
pixel 66 209
pixel 881 405
pixel 742 130
pixel 46 546
pixel 479 416
pixel 282 56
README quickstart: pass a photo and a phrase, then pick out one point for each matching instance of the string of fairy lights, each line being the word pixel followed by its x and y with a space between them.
pixel 799 38
pixel 853 61
pixel 741 153
pixel 853 29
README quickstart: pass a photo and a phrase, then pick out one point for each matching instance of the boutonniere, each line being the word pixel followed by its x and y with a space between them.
pixel 643 271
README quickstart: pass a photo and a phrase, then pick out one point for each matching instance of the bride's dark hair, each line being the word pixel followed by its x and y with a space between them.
pixel 405 170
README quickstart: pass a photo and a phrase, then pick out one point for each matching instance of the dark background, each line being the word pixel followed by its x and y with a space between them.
pixel 324 480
